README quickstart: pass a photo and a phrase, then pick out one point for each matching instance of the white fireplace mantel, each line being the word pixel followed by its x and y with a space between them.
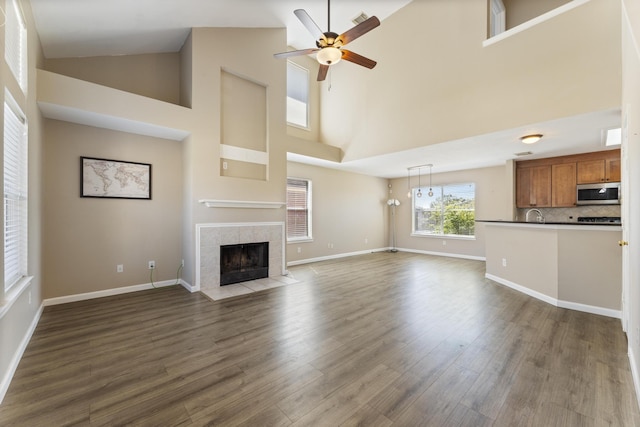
pixel 212 203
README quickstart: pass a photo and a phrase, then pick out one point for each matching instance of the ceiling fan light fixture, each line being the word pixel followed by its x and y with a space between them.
pixel 329 55
pixel 531 139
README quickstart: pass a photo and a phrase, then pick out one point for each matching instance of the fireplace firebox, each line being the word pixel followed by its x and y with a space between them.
pixel 243 262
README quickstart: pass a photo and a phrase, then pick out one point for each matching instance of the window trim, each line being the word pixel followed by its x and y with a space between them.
pixel 309 236
pixel 417 233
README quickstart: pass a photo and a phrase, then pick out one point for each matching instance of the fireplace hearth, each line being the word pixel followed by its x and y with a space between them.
pixel 243 262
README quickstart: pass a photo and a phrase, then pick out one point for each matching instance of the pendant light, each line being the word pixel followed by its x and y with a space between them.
pixel 409 182
pixel 419 193
pixel 430 188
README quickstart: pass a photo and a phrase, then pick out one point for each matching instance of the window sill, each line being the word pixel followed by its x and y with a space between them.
pixel 535 21
pixel 300 240
pixel 13 294
pixel 443 236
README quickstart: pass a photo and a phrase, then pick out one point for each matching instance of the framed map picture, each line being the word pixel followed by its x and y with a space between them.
pixel 115 179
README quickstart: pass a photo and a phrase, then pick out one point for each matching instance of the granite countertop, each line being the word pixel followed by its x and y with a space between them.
pixel 589 224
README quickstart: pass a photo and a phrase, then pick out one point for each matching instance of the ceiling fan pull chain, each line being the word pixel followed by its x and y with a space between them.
pixel 330 74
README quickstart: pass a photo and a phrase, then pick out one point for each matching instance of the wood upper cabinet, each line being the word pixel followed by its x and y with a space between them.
pixel 563 185
pixel 551 182
pixel 599 170
pixel 533 186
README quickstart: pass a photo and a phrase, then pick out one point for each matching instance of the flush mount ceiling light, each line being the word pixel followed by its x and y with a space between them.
pixel 531 139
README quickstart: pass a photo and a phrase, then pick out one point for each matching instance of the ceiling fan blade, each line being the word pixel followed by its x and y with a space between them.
pixel 295 53
pixel 322 72
pixel 347 55
pixel 360 29
pixel 309 24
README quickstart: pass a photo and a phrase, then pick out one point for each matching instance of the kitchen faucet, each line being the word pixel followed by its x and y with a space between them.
pixel 539 218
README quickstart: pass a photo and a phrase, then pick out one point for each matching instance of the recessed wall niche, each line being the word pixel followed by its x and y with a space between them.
pixel 244 145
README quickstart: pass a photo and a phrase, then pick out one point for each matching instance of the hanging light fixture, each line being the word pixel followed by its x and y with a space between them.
pixel 419 193
pixel 409 182
pixel 430 188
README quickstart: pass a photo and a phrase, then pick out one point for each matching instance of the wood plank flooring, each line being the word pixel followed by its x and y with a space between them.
pixel 385 339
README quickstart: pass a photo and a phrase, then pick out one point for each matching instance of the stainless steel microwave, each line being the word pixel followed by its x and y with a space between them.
pixel 598 194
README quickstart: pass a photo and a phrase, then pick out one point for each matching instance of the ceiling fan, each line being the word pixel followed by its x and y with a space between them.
pixel 329 44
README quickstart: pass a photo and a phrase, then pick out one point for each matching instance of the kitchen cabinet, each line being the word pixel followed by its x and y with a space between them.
pixel 563 185
pixel 598 170
pixel 533 186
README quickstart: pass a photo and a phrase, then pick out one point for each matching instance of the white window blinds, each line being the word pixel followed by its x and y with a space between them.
pixel 15 50
pixel 298 209
pixel 15 195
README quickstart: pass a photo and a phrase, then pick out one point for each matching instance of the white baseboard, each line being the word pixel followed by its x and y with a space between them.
pixel 634 372
pixel 415 251
pixel 15 360
pixel 445 254
pixel 188 286
pixel 325 258
pixel 602 311
pixel 108 292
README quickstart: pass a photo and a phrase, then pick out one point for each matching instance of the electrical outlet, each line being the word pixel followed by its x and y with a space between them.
pixel 120 268
pixel 504 262
pixel 444 243
pixel 225 165
pixel 152 265
pixel 299 249
pixel 182 263
pixel 366 240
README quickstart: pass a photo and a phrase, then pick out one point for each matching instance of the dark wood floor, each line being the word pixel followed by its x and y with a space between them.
pixel 376 340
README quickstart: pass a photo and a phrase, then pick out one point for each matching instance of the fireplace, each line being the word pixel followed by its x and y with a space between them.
pixel 243 262
pixel 211 237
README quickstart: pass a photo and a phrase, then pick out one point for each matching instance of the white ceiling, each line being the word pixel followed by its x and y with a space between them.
pixel 76 28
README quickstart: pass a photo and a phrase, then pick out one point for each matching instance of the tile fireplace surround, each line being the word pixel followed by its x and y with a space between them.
pixel 209 238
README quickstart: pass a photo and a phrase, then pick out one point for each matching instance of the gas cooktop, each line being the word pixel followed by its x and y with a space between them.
pixel 600 219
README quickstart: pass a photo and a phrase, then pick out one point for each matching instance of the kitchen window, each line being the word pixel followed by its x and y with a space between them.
pixel 298 209
pixel 450 211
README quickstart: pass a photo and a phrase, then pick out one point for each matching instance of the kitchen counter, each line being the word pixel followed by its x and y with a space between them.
pixel 530 223
pixel 576 266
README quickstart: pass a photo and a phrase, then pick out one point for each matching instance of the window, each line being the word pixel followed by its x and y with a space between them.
pixel 297 95
pixel 497 18
pixel 15 50
pixel 298 209
pixel 450 211
pixel 15 193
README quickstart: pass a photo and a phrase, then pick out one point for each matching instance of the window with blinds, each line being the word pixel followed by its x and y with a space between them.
pixel 15 50
pixel 298 209
pixel 15 193
pixel 297 95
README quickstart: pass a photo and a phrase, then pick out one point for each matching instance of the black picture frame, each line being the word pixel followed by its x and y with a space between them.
pixel 114 179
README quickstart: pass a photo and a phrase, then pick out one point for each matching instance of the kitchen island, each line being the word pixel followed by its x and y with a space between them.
pixel 568 265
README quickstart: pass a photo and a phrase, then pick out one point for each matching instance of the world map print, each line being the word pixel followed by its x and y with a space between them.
pixel 116 179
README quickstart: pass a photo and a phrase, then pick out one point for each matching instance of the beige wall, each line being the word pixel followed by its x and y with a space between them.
pixel 492 194
pixel 154 75
pixel 347 208
pixel 435 81
pixel 85 238
pixel 582 282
